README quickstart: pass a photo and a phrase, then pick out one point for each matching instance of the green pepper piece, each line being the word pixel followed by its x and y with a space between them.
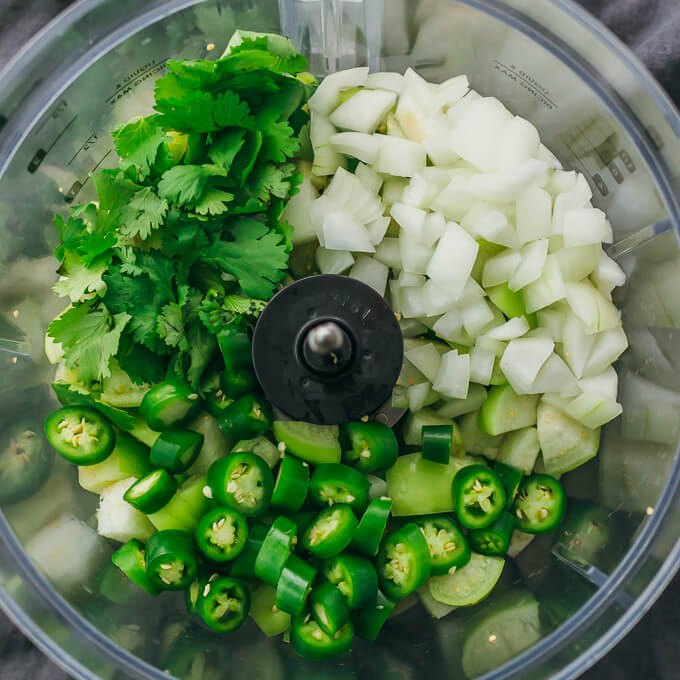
pixel 260 446
pixel 176 450
pixel 403 561
pixel 493 540
pixel 152 492
pixel 131 560
pixel 244 565
pixel 236 348
pixel 169 403
pixel 25 463
pixel 331 531
pixel 246 418
pixel 511 478
pixel 115 586
pixel 222 534
pixel 372 526
pixel 437 443
pixel 328 608
pixel 310 642
pixel 313 443
pixel 184 510
pixel 369 621
pixel 446 542
pixel 294 586
pixel 171 559
pixel 243 482
pixel 374 446
pixel 224 604
pixel 269 618
pixel 337 483
pixel 540 504
pixel 216 402
pixel 80 434
pixel 276 548
pixel 292 483
pixel 478 496
pixel 194 592
pixel 354 577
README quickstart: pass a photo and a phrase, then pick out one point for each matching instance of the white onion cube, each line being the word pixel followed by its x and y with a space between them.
pixel 511 329
pixel 519 142
pixel 433 229
pixel 476 315
pixel 415 256
pixel 412 302
pixel 410 219
pixel 371 272
pixel 325 98
pixel 356 144
pixel 364 111
pixel 531 265
pixel 333 261
pixel 523 359
pixel 548 288
pixel 453 378
pixel 342 232
pixel 399 157
pixel 555 376
pixel 426 359
pixel 449 326
pixel 500 268
pixel 533 214
pixel 584 226
pixel 453 259
pixel 596 312
pixel 481 365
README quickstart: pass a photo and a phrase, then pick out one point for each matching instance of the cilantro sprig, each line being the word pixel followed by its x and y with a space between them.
pixel 186 235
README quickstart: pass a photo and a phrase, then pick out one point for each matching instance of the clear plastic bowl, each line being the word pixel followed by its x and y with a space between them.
pixel 596 108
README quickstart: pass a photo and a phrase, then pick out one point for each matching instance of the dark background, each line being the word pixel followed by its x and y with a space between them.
pixel 652 29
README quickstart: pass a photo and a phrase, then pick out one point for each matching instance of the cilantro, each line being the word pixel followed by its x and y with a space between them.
pixel 185 184
pixel 256 257
pixel 90 337
pixel 144 213
pixel 223 151
pixel 202 347
pixel 138 142
pixel 213 202
pixel 171 327
pixel 78 279
pixel 270 180
pixel 217 312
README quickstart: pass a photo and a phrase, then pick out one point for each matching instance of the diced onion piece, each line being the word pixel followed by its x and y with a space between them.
pixel 577 263
pixel 533 214
pixel 481 365
pixel 377 229
pixel 325 98
pixel 484 221
pixel 393 190
pixel 410 219
pixel 454 201
pixel 523 359
pixel 369 178
pixel 437 129
pixel 493 345
pixel 561 182
pixel 608 275
pixel 418 193
pixel 409 279
pixel 426 359
pixel 511 329
pixel 607 348
pixel 457 407
pixel 453 378
pixel 547 289
pixel 417 396
pixel 400 157
pixel 554 376
pixel 415 256
pixel 577 197
pixel 596 312
pixel 477 131
pixel 117 519
pixel 411 118
pixel 593 410
pixel 519 142
pixel 298 212
pixel 476 315
pixel 437 300
pixel 333 261
pixel 433 229
pixel 545 154
pixel 500 268
pixel 471 291
pixel 559 401
pixel 508 185
pixel 412 302
pixel 371 272
pixel 418 87
pixel 577 344
pixel 449 92
pixel 529 269
pixel 364 111
pixel 453 259
pixel 386 81
pixel 458 110
pixel 449 326
pixel 552 320
pixel 584 226
pixel 326 159
pixel 342 232
pixel 387 252
pixel 356 144
pixel 605 384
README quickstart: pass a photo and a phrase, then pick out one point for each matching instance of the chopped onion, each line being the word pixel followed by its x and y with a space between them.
pixel 426 359
pixel 356 144
pixel 608 275
pixel 552 320
pixel 407 279
pixel 577 197
pixel 584 226
pixel 386 81
pixel 577 263
pixel 519 143
pixel 415 256
pixel 547 289
pixel 449 92
pixel 325 99
pixel 371 272
pixel 364 111
pixel 412 302
pixel 453 378
pixel 369 178
pixel 607 348
pixel 387 252
pixel 453 259
pixel 533 257
pixel 418 193
pixel 400 157
pixel 500 268
pixel 481 365
pixel 298 212
pixel 508 185
pixel 333 261
pixel 410 219
pixel 577 344
pixel 596 312
pixel 449 326
pixel 433 229
pixel 554 376
pixel 377 229
pixel 511 329
pixel 454 201
pixel 533 214
pixel 605 384
pixel 523 359
pixel 342 232
pixel 476 315
pixel 593 410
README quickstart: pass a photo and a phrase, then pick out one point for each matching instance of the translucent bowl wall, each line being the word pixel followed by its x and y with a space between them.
pixel 596 108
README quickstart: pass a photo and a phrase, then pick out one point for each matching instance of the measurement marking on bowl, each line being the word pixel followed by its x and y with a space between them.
pixel 134 79
pixel 78 185
pixel 92 139
pixel 525 81
pixel 41 154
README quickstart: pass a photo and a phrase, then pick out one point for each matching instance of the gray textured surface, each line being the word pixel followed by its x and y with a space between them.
pixel 652 29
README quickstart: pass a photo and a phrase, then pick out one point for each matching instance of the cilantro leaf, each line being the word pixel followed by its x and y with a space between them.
pixel 142 365
pixel 223 151
pixel 270 179
pixel 213 202
pixel 185 184
pixel 278 141
pixel 90 337
pixel 202 348
pixel 184 238
pixel 79 279
pixel 216 312
pixel 144 213
pixel 256 257
pixel 171 327
pixel 137 143
pixel 203 112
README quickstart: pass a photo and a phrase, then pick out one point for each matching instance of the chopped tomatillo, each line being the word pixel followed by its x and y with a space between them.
pixel 222 534
pixel 540 504
pixel 243 482
pixel 80 434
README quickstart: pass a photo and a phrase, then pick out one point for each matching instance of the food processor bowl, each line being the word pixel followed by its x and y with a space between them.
pixel 562 603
